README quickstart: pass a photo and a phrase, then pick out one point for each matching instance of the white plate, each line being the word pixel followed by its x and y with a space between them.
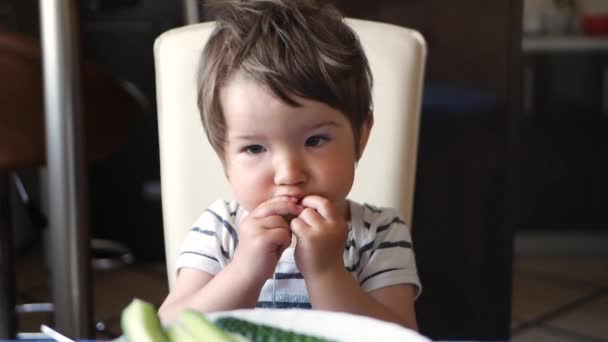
pixel 330 325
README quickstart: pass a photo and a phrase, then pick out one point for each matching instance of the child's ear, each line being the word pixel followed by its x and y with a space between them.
pixel 366 128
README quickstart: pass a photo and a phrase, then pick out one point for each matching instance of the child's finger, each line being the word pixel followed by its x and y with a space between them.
pixel 311 217
pixel 321 204
pixel 280 237
pixel 274 221
pixel 277 206
pixel 298 227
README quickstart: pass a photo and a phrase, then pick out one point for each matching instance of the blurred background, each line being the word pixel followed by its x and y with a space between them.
pixel 510 225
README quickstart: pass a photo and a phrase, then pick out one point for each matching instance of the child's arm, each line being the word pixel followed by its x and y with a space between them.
pixel 322 233
pixel 263 236
pixel 232 288
pixel 340 292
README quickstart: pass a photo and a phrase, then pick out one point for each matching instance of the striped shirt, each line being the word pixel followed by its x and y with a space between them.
pixel 378 252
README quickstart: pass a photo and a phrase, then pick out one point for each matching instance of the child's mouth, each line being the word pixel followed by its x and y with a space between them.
pixel 295 199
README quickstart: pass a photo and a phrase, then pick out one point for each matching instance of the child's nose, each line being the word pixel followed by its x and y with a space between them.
pixel 289 170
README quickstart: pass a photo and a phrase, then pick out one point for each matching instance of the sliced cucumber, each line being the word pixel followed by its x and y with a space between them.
pixel 238 337
pixel 200 328
pixel 177 333
pixel 140 323
pixel 260 332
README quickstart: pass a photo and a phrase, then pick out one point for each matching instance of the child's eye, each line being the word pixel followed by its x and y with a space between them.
pixel 254 149
pixel 315 140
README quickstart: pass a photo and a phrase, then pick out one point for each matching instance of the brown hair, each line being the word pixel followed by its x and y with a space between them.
pixel 293 47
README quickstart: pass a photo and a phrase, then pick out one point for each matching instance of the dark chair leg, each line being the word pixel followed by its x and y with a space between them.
pixel 8 317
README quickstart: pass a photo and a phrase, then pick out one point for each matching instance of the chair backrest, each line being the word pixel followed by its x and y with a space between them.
pixel 191 173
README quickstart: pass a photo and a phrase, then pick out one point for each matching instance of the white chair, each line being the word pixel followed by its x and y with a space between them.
pixel 191 174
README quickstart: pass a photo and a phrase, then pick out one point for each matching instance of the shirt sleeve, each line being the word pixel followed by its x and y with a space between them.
pixel 391 258
pixel 211 241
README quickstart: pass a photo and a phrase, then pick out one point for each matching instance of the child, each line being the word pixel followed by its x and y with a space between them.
pixel 285 100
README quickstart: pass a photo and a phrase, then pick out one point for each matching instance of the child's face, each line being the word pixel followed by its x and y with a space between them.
pixel 273 149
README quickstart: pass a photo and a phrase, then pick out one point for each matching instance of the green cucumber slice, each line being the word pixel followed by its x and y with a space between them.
pixel 200 328
pixel 140 323
pixel 262 333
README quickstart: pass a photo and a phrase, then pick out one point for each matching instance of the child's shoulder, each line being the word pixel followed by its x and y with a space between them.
pixel 373 213
pixel 220 211
pixel 371 219
pixel 222 206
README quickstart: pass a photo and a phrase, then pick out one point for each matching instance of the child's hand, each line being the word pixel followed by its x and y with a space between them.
pixel 322 232
pixel 263 236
